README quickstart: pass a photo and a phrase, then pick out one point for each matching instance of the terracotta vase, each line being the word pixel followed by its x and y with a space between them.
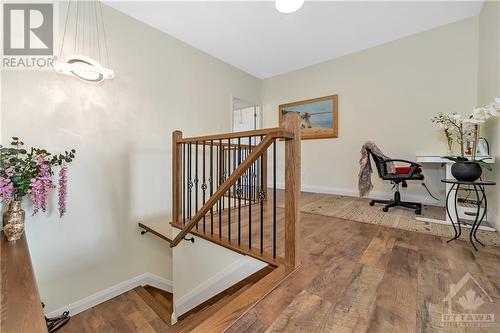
pixel 13 221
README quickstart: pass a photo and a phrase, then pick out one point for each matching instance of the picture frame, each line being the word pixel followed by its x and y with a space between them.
pixel 319 117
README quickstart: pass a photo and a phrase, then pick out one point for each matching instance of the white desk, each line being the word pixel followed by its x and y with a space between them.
pixel 433 159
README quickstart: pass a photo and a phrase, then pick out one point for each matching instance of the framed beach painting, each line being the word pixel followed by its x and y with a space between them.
pixel 318 117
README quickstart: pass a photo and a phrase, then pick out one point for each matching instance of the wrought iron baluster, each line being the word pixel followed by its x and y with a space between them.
pixel 250 197
pixel 238 193
pixel 221 172
pixel 196 180
pixel 204 185
pixel 184 184
pixel 211 181
pixel 229 190
pixel 262 197
pixel 190 181
pixel 274 199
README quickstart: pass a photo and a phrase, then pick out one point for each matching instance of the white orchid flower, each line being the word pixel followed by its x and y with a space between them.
pixel 474 121
pixel 481 113
pixel 497 103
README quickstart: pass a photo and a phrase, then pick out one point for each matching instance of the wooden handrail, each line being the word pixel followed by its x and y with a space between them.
pixel 277 131
pixel 230 181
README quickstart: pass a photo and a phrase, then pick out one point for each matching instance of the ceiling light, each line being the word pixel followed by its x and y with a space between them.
pixel 288 6
pixel 88 46
pixel 84 68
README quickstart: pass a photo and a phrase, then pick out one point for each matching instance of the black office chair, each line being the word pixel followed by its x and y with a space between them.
pixel 402 174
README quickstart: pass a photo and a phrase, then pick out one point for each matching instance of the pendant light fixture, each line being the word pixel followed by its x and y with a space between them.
pixel 82 53
pixel 288 6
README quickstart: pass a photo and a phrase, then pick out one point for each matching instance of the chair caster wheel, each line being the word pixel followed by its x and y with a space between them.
pixel 385 209
pixel 372 203
pixel 418 212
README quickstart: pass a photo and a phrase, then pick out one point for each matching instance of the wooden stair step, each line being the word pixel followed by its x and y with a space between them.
pixel 161 310
pixel 163 297
pixel 193 320
pixel 242 303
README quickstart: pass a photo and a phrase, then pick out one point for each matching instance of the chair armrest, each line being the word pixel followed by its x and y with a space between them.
pixel 404 161
pixel 414 166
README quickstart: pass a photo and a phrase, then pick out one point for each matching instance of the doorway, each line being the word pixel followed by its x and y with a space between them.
pixel 245 116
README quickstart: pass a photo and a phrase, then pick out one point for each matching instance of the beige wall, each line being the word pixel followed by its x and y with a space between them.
pixel 121 131
pixel 489 87
pixel 387 94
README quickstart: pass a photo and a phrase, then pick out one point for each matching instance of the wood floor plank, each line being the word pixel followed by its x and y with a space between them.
pixel 353 309
pixel 307 313
pixel 396 298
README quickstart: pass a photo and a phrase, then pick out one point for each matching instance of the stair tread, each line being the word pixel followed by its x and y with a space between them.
pixel 194 319
pixel 240 304
pixel 154 304
pixel 163 297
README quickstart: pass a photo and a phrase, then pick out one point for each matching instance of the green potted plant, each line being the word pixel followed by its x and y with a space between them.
pixel 28 173
pixel 459 130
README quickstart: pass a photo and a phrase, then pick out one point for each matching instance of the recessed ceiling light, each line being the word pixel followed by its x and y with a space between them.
pixel 288 6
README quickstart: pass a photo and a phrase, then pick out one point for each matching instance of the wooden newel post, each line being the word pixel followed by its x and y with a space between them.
pixel 291 124
pixel 176 177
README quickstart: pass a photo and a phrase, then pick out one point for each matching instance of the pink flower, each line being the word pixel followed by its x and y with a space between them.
pixel 6 190
pixel 10 171
pixel 63 186
pixel 39 188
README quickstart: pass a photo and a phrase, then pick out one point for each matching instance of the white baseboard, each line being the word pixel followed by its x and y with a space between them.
pixel 224 279
pixel 427 200
pixel 111 292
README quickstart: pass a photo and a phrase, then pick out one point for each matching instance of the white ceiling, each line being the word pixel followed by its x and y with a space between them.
pixel 254 37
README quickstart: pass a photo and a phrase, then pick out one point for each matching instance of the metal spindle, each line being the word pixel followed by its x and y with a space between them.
pixel 190 182
pixel 196 180
pixel 274 199
pixel 211 185
pixel 229 190
pixel 204 185
pixel 184 183
pixel 220 159
pixel 238 193
pixel 250 201
pixel 261 198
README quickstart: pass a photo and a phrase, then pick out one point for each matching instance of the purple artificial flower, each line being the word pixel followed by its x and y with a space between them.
pixel 39 188
pixel 63 186
pixel 6 190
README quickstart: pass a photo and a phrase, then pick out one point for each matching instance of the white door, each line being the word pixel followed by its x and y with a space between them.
pixel 246 119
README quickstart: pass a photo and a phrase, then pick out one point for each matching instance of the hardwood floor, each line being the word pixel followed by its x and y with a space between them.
pixel 354 277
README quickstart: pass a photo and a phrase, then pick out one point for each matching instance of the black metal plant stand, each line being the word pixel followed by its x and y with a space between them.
pixel 478 187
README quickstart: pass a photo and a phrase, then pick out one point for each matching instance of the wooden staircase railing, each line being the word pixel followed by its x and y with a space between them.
pixel 210 176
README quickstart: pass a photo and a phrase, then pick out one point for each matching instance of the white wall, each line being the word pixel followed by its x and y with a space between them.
pixel 387 94
pixel 204 269
pixel 122 133
pixel 489 88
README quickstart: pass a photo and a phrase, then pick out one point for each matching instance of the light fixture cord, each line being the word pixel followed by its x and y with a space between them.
pixel 97 27
pixel 76 25
pixel 104 33
pixel 65 27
